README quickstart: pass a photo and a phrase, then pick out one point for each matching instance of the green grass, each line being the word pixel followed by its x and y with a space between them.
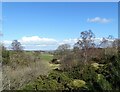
pixel 46 57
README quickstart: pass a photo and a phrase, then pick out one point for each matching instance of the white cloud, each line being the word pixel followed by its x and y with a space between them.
pixel 68 41
pixel 99 20
pixel 7 42
pixel 39 43
pixel 36 40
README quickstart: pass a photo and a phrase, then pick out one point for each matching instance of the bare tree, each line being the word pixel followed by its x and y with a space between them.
pixel 62 51
pixel 16 46
pixel 107 44
pixel 116 43
pixel 64 47
pixel 86 42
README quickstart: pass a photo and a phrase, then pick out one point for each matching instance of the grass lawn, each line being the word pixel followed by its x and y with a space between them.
pixel 46 57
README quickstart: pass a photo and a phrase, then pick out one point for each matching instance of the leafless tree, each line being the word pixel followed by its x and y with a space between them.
pixel 16 46
pixel 62 51
pixel 86 42
pixel 107 44
pixel 116 43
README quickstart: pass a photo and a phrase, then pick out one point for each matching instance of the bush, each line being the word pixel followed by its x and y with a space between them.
pixel 5 56
pixel 78 83
pixel 104 84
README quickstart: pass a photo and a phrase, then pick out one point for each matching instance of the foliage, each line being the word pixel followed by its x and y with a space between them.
pixel 55 81
pixel 104 84
pixel 5 56
pixel 78 83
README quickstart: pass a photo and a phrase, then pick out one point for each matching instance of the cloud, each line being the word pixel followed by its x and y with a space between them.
pixel 98 20
pixel 68 41
pixel 36 40
pixel 7 42
pixel 39 43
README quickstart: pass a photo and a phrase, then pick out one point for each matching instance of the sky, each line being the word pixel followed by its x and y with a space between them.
pixel 45 26
pixel 60 0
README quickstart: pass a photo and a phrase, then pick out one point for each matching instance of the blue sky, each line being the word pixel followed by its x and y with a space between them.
pixel 57 22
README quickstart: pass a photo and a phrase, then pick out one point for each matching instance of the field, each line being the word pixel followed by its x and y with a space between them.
pixel 46 57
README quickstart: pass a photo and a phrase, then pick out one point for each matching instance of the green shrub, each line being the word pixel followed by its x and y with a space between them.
pixel 78 83
pixel 104 84
pixel 5 56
